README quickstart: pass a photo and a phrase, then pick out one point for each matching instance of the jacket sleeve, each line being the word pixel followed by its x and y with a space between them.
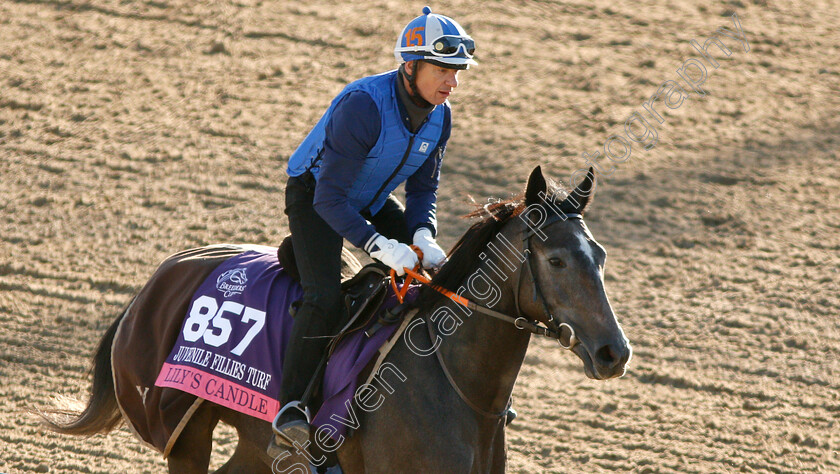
pixel 352 131
pixel 421 187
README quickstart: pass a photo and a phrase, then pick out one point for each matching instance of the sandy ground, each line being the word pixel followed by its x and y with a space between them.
pixel 132 129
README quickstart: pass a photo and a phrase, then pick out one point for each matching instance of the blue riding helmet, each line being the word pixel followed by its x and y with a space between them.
pixel 436 39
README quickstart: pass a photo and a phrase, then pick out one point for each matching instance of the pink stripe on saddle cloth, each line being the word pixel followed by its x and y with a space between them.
pixel 218 390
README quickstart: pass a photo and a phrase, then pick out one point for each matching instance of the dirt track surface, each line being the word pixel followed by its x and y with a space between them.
pixel 132 129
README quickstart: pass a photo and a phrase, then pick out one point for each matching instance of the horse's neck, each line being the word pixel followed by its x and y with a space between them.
pixel 484 355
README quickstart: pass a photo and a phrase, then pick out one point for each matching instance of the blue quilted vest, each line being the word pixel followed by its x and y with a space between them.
pixel 396 155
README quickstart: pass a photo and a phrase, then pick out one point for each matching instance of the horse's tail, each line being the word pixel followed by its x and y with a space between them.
pixel 102 414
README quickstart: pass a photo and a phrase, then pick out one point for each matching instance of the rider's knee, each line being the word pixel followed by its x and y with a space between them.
pixel 324 300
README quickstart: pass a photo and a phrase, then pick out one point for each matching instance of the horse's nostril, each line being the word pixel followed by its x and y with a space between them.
pixel 607 356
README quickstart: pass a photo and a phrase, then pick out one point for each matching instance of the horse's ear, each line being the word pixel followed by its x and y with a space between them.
pixel 576 202
pixel 536 185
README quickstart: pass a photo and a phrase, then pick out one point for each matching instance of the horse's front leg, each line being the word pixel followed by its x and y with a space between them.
pixel 498 464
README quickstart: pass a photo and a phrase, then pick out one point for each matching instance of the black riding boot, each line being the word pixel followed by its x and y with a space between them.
pixel 317 249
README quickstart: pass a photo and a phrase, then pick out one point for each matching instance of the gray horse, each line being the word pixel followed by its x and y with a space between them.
pixel 529 266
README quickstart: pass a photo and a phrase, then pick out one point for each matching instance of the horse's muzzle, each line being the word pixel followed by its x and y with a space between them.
pixel 610 360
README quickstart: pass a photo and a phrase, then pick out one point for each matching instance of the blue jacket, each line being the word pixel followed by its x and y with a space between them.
pixel 361 150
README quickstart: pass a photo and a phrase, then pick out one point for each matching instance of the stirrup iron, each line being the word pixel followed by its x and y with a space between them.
pixel 279 443
pixel 296 404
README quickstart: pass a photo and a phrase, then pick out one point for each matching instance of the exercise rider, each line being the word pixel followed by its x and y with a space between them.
pixel 380 131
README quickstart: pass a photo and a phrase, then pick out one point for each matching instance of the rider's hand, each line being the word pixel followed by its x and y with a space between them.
pixel 433 256
pixel 392 253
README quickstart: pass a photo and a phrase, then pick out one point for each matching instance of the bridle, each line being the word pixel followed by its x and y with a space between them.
pixel 552 327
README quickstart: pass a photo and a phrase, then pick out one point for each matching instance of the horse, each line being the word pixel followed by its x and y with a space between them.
pixel 530 258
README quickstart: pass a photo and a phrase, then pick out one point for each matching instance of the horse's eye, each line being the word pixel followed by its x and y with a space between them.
pixel 557 262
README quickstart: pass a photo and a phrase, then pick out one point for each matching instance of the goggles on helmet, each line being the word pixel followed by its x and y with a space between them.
pixel 444 46
pixel 449 46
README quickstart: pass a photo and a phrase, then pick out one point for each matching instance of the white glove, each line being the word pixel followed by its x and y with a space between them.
pixel 392 253
pixel 433 256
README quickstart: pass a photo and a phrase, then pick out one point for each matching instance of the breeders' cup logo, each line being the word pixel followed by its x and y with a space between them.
pixel 232 282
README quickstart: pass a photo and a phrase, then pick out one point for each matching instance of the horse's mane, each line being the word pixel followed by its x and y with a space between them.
pixel 463 258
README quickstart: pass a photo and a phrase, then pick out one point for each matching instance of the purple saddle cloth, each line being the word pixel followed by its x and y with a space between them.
pixel 232 342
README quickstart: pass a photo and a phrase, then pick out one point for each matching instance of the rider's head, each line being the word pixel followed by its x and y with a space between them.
pixel 440 42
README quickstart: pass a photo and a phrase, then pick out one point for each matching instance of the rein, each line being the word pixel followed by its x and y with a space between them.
pixel 552 329
pixel 520 322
